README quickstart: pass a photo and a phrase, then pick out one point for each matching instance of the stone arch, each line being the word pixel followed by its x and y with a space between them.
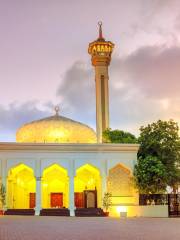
pixel 79 165
pixel 19 166
pixel 119 181
pixel 48 162
pixel 55 186
pixel 90 166
pixel 21 187
pixel 14 164
pixel 87 180
pixel 54 165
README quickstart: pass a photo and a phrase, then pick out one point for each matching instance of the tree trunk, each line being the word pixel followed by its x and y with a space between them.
pixel 174 189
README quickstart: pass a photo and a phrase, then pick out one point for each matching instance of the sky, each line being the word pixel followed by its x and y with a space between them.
pixel 44 61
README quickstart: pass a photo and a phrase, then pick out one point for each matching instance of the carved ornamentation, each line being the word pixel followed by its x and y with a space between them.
pixel 119 181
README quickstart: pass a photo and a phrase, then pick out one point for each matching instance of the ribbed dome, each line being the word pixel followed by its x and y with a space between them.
pixel 55 129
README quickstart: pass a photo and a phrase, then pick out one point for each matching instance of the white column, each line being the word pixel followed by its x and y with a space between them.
pixel 38 196
pixel 71 187
pixel 38 186
pixel 103 179
pixel 71 195
pixel 104 184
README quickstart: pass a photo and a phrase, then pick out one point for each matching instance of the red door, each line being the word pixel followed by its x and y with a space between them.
pixel 32 200
pixel 56 200
pixel 79 199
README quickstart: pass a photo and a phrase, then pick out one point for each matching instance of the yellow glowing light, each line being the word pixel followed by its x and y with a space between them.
pixel 18 181
pixel 91 181
pixel 121 209
pixel 45 184
pixel 23 183
pixel 55 180
pixel 56 129
pixel 101 47
pixel 87 177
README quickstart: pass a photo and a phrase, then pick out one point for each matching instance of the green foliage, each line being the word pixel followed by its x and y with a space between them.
pixel 2 195
pixel 150 175
pixel 160 141
pixel 118 136
pixel 107 201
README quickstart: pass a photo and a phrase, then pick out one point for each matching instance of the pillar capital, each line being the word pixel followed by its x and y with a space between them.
pixel 38 178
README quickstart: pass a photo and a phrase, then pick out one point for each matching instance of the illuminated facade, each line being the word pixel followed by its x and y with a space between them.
pixel 44 176
pixel 60 164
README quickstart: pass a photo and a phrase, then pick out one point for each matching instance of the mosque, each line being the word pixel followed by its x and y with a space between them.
pixel 59 166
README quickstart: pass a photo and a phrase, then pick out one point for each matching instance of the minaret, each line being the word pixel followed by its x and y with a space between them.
pixel 101 51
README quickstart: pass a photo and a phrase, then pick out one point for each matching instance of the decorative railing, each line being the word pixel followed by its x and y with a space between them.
pixel 172 200
pixel 153 199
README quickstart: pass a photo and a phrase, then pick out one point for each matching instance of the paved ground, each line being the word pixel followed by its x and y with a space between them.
pixel 62 228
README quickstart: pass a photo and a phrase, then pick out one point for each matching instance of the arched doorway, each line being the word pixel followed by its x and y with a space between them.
pixel 55 187
pixel 21 187
pixel 87 187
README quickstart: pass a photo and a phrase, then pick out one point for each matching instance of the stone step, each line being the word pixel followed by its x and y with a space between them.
pixel 24 212
pixel 89 212
pixel 55 212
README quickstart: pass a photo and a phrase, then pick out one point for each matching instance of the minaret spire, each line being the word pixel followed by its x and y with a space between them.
pixel 100 51
pixel 100 30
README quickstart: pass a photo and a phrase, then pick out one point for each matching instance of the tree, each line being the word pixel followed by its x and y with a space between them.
pixel 118 136
pixel 107 200
pixel 150 175
pixel 161 140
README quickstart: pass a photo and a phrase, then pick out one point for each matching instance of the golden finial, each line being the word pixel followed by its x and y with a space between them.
pixel 57 109
pixel 100 30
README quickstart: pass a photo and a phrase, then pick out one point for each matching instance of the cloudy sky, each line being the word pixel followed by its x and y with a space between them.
pixel 44 61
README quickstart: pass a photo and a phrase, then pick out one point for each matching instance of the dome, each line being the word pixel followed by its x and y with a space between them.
pixel 55 129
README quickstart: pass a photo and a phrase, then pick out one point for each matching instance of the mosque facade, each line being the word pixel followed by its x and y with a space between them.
pixel 61 166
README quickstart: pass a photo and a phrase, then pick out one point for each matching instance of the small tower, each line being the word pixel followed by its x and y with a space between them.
pixel 100 51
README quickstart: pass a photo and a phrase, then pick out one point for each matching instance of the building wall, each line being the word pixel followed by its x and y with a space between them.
pixel 71 157
pixel 141 211
pixel 100 156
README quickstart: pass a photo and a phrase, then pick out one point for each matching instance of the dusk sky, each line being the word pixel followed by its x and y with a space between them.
pixel 44 61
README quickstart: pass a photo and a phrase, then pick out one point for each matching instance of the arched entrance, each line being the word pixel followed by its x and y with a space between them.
pixel 55 187
pixel 87 187
pixel 21 187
